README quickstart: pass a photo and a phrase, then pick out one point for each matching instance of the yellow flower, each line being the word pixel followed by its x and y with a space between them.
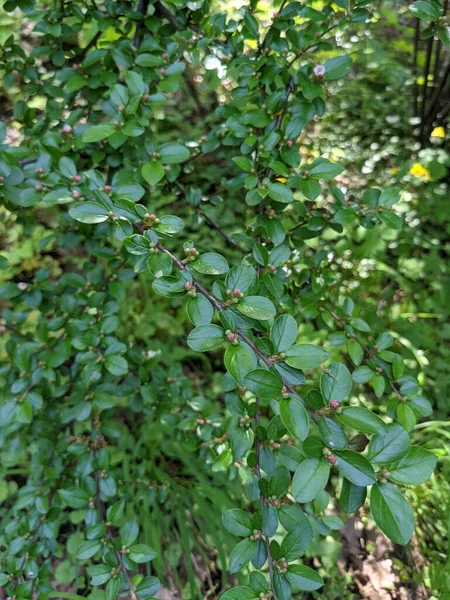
pixel 281 179
pixel 438 132
pixel 419 171
pixel 394 170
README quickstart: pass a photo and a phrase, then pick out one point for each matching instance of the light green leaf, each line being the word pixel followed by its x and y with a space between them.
pixel 392 512
pixel 310 479
pixel 206 337
pixel 257 307
pixel 336 383
pixel 305 356
pixel 210 263
pixel 263 383
pixel 356 468
pixel 295 417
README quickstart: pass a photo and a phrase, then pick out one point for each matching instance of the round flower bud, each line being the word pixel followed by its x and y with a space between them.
pixel 22 286
pixel 319 70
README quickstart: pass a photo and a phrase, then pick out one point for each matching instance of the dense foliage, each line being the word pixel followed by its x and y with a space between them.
pixel 187 327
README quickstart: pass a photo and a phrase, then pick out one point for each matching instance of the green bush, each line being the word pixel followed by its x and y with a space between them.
pixel 157 208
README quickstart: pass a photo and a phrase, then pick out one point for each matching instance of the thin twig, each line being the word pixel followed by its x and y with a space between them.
pixel 142 9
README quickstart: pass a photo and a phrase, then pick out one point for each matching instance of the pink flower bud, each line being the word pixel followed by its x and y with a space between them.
pixel 107 188
pixel 22 286
pixel 165 55
pixel 271 212
pixel 38 188
pixel 40 170
pixel 289 143
pixel 272 267
pixel 187 285
pixel 319 70
pixel 152 217
pixel 331 458
pixel 2 179
pixel 334 404
pixel 231 337
pixel 75 65
pixel 66 128
pixel 75 194
pixel 91 504
pixel 77 178
pixel 121 108
pixel 192 40
pixel 237 292
pixel 146 96
pixel 163 71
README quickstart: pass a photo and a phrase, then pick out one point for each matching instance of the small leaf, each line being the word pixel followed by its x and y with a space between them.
pixel 242 555
pixel 352 496
pixel 206 337
pixel 210 263
pixel 414 468
pixel 390 446
pixel 362 419
pixel 305 356
pixel 337 383
pixel 295 417
pixel 392 512
pixel 153 172
pixel 332 434
pixel 238 361
pixel 257 307
pixel 303 578
pixel 355 468
pixel 263 383
pixel 238 522
pixel 173 153
pixel 89 212
pixel 142 553
pixel 283 332
pixel 310 479
pixel 97 133
pixel 280 193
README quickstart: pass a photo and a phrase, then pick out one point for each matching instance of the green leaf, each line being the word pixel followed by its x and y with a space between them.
pixel 142 553
pixel 294 544
pixel 242 555
pixel 238 522
pixel 283 332
pixel 305 356
pixel 87 549
pixel 148 60
pixel 303 579
pixel 336 383
pixel 257 307
pixel 89 212
pixel 169 224
pixel 206 337
pixel 280 193
pixel 67 167
pixel 148 588
pixel 390 446
pixel 310 479
pixel 75 497
pixel 153 172
pixel 263 383
pixel 337 67
pixel 355 468
pixel 112 589
pixel 362 374
pixel 97 133
pixel 332 434
pixel 240 593
pixel 295 417
pixel 322 168
pixel 362 419
pixel 199 310
pixel 352 496
pixel 238 361
pixel 210 263
pixel 414 468
pixel 355 351
pixel 173 153
pixel 392 512
pixel 117 365
pixel 425 10
pixel 390 219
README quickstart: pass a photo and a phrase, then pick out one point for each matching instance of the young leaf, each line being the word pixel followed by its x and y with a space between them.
pixel 336 382
pixel 206 337
pixel 238 522
pixel 257 307
pixel 283 332
pixel 305 356
pixel 242 555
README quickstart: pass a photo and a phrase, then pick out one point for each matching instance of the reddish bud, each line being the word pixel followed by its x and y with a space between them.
pixel 2 179
pixel 77 178
pixel 66 128
pixel 107 188
pixel 331 458
pixel 334 404
pixel 237 292
pixel 40 170
pixel 38 188
pixel 163 71
pixel 187 285
pixel 146 96
pixel 319 71
pixel 22 286
pixel 75 194
pixel 75 65
pixel 165 55
pixel 289 143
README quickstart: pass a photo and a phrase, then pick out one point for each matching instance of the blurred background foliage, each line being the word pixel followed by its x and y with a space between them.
pixel 399 276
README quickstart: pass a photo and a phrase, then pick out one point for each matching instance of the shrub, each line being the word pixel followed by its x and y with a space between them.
pixel 107 415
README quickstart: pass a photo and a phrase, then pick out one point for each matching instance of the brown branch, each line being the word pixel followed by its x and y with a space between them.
pixel 142 8
pixel 414 70
pixel 222 232
pixel 162 11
